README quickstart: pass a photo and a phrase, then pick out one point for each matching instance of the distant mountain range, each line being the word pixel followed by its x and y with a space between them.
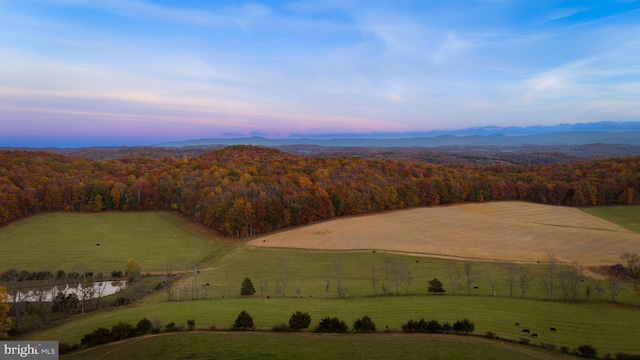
pixel 604 132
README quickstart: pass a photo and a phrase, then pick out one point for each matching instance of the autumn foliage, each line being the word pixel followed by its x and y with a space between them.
pixel 246 190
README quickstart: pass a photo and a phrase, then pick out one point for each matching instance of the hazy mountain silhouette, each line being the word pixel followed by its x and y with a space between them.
pixel 605 132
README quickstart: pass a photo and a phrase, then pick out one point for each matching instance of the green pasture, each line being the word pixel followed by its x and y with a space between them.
pixel 63 241
pixel 311 270
pixel 253 345
pixel 611 328
pixel 625 216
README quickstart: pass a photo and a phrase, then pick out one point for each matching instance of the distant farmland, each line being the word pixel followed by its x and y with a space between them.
pixel 508 231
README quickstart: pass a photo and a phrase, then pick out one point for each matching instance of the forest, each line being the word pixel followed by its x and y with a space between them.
pixel 247 190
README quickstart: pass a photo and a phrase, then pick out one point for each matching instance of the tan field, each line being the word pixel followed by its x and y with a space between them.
pixel 509 231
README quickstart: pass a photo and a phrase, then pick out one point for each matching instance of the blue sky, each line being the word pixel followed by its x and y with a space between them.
pixel 116 72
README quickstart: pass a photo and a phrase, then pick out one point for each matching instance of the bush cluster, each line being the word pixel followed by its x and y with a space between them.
pixel 119 331
pixel 434 327
pixel 331 325
pixel 299 320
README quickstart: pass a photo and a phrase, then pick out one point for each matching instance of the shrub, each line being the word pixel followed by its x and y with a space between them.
pixel 433 326
pixel 244 321
pixel 525 341
pixel 412 326
pixel 446 327
pixel 191 324
pixel 97 337
pixel 422 326
pixel 564 349
pixel 364 325
pixel 331 325
pixel 144 326
pixel 490 334
pixel 299 320
pixel 122 330
pixel 587 351
pixel 170 327
pixel 464 326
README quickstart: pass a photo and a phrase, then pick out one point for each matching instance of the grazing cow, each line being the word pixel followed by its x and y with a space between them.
pixel 98 244
pixel 552 329
pixel 517 324
pixel 417 261
pixel 534 335
pixel 374 251
pixel 526 331
pixel 475 287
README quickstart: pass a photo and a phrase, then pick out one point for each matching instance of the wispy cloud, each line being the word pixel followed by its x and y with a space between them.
pixel 275 67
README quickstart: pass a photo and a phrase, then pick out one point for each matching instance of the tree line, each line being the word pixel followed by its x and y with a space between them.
pixel 245 190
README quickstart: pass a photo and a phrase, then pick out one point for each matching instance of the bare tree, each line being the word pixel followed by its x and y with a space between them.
pixel 491 283
pixel 397 272
pixel 169 279
pixel 453 274
pixel 194 286
pixel 328 277
pixel 18 305
pixel 614 285
pixel 524 278
pixel 633 263
pixel 599 289
pixel 549 280
pixel 576 279
pixel 510 269
pixel 375 280
pixel 337 270
pixel 263 285
pixel 282 279
pixel 471 274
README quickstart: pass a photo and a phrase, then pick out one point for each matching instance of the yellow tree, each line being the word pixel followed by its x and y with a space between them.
pixel 5 320
pixel 132 270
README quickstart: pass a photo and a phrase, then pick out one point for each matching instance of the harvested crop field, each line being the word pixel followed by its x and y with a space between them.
pixel 510 231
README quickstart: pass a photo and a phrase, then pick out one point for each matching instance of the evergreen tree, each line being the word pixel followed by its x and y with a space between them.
pixel 247 288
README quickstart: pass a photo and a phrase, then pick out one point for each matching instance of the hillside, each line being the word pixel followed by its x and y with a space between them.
pixel 501 231
pixel 244 191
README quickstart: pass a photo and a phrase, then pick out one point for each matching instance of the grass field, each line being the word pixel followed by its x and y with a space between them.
pixel 251 345
pixel 62 241
pixel 69 241
pixel 625 216
pixel 610 328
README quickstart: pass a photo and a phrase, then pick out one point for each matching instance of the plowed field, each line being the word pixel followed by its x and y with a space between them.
pixel 509 231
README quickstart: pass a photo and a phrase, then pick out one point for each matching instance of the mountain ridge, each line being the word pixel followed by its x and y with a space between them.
pixel 606 132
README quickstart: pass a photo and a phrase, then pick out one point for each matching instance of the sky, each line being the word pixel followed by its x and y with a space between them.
pixel 136 72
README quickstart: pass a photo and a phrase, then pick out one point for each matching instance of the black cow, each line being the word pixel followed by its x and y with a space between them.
pixel 526 331
pixel 534 335
pixel 517 324
pixel 552 329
